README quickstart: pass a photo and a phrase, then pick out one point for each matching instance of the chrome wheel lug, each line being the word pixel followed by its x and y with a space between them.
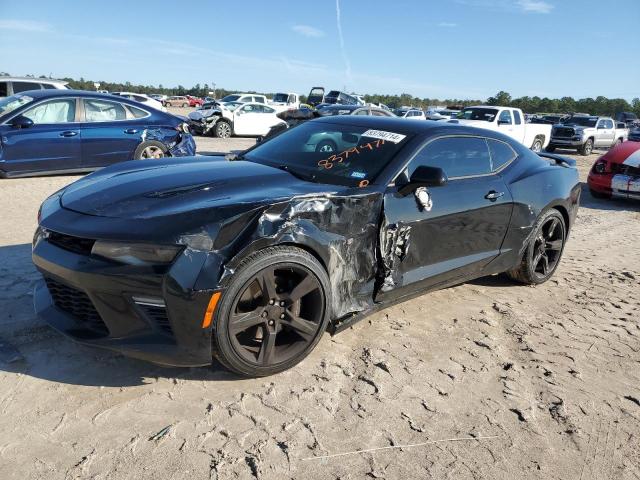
pixel 271 323
pixel 272 301
pixel 282 304
pixel 263 314
pixel 282 315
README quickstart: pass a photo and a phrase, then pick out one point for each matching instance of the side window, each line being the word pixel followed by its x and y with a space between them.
pixel 505 116
pixel 516 115
pixel 24 86
pixel 609 123
pixel 137 112
pixel 4 91
pixel 244 99
pixel 249 109
pixel 138 98
pixel 457 156
pixel 55 111
pixel 378 113
pixel 602 124
pixel 362 111
pixel 258 99
pixel 266 109
pixel 501 153
pixel 103 111
pixel 47 86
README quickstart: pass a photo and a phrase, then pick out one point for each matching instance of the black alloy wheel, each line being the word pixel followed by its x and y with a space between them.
pixel 275 312
pixel 544 250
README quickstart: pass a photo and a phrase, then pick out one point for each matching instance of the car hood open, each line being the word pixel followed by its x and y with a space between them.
pixel 146 189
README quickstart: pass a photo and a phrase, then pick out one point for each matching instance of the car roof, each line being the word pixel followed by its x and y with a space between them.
pixel 68 93
pixel 33 79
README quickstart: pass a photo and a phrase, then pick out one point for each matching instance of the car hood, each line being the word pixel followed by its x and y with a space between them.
pixel 144 189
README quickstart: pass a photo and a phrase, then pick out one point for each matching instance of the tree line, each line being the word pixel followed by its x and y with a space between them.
pixel 595 106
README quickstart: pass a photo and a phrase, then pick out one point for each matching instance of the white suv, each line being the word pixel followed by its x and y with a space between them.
pixel 245 98
pixel 12 85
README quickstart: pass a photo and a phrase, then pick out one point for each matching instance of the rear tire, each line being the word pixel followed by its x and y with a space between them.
pixel 149 150
pixel 537 145
pixel 544 249
pixel 247 318
pixel 587 148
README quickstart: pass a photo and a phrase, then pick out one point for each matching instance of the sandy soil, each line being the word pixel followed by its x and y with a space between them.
pixel 545 380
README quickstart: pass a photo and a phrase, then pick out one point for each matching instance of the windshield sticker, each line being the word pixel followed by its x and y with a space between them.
pixel 358 174
pixel 342 156
pixel 382 135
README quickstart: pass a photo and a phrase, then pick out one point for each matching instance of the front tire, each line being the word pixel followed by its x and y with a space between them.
pixel 150 150
pixel 222 129
pixel 273 312
pixel 587 148
pixel 543 251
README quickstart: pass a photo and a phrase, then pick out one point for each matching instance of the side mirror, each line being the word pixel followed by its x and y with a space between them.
pixel 424 176
pixel 601 127
pixel 21 122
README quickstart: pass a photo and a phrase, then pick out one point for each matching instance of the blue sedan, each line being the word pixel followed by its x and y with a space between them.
pixel 68 131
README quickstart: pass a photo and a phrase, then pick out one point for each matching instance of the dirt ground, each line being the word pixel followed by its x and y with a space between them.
pixel 491 379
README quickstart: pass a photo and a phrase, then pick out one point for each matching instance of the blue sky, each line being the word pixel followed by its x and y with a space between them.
pixel 437 49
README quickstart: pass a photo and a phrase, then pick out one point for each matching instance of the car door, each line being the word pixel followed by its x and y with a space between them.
pixel 518 127
pixel 505 124
pixel 459 233
pixel 246 119
pixel 52 143
pixel 110 134
pixel 607 133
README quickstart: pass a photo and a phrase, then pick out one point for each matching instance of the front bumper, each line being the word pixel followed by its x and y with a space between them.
pixel 150 313
pixel 616 185
pixel 566 142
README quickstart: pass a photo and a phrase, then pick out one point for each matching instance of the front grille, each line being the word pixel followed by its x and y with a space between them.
pixel 158 315
pixel 78 304
pixel 70 243
pixel 622 169
pixel 563 132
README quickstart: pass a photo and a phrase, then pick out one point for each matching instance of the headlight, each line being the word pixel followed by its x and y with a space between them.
pixel 136 253
pixel 600 166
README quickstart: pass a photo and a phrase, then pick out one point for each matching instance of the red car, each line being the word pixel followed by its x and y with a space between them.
pixel 194 101
pixel 617 173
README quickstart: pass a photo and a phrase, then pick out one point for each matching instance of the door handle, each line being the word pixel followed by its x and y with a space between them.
pixel 131 131
pixel 69 133
pixel 493 195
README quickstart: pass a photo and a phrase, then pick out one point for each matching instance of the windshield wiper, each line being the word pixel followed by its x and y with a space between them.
pixel 295 173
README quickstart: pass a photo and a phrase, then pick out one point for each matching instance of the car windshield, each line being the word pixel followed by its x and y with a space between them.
pixel 400 112
pixel 232 105
pixel 9 104
pixel 484 114
pixel 280 97
pixel 330 153
pixel 230 98
pixel 581 121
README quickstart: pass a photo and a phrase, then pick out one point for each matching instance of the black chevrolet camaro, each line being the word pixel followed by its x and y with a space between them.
pixel 251 260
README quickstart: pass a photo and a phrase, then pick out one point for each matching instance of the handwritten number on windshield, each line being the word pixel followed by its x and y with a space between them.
pixel 350 152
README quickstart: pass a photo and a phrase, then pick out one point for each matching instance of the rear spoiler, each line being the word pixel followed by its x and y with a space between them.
pixel 559 159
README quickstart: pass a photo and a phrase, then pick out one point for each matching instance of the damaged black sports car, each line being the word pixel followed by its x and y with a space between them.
pixel 250 261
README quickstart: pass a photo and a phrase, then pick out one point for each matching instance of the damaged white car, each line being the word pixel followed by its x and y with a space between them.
pixel 224 119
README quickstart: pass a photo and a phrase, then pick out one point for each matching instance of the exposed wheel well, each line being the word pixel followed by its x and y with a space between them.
pixel 307 249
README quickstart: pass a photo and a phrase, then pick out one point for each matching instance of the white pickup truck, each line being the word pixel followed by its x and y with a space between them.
pixel 509 121
pixel 285 101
